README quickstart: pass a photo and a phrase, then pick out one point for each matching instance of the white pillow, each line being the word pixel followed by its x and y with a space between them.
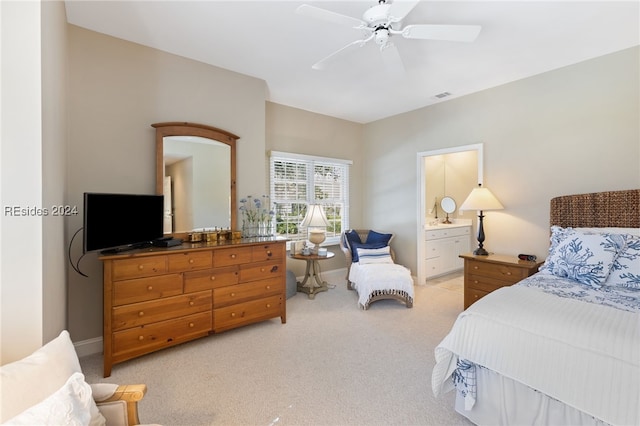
pixel 30 380
pixel 625 271
pixel 70 406
pixel 586 258
pixel 377 255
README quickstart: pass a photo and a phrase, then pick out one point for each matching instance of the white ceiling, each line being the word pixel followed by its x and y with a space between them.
pixel 268 40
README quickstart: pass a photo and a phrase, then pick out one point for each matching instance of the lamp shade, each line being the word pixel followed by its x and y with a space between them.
pixel 315 217
pixel 481 199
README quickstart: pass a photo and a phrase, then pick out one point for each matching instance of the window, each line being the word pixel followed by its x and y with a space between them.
pixel 300 180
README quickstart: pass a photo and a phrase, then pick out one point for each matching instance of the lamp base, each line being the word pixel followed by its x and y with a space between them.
pixel 480 252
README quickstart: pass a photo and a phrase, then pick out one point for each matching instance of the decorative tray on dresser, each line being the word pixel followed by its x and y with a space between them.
pixel 159 297
pixel 484 274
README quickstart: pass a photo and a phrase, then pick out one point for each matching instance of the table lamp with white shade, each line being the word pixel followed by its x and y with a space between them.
pixel 481 199
pixel 316 222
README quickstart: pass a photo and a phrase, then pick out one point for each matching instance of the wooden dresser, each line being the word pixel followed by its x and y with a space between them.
pixel 484 274
pixel 160 297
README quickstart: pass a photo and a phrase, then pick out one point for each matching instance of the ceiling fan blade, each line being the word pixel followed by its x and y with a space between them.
pixel 442 32
pixel 327 15
pixel 324 63
pixel 392 59
pixel 401 8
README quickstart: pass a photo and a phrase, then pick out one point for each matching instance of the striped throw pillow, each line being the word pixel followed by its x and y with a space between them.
pixel 374 255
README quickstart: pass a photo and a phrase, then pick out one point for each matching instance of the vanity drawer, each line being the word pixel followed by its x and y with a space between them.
pixel 267 252
pixel 434 234
pixel 212 278
pixel 141 289
pixel 231 256
pixel 144 339
pixel 230 295
pixel 160 310
pixel 190 261
pixel 247 312
pixel 261 271
pixel 123 269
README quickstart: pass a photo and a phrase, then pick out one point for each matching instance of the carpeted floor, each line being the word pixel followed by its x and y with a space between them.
pixel 330 364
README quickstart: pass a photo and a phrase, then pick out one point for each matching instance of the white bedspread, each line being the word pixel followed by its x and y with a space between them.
pixel 371 278
pixel 583 354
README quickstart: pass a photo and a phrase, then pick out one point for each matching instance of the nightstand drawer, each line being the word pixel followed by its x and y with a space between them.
pixel 488 284
pixel 512 274
pixel 472 295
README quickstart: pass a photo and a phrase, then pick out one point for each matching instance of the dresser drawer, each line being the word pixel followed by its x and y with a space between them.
pixel 159 335
pixel 231 256
pixel 267 252
pixel 143 313
pixel 225 296
pixel 261 271
pixel 190 261
pixel 511 274
pixel 212 278
pixel 252 311
pixel 123 269
pixel 150 288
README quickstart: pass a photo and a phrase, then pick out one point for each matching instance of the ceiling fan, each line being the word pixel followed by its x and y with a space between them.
pixel 383 21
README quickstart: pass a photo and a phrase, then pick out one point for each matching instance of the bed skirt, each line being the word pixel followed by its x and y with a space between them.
pixel 517 404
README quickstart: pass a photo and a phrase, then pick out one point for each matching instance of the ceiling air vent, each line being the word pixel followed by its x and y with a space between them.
pixel 443 95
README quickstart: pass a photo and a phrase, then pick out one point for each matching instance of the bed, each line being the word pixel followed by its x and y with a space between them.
pixel 562 346
pixel 372 271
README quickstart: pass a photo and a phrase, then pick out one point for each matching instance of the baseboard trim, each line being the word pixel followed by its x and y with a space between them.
pixel 89 347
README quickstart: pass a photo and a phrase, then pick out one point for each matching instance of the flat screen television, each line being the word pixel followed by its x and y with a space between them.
pixel 117 222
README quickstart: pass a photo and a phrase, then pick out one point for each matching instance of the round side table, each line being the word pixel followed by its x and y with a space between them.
pixel 312 283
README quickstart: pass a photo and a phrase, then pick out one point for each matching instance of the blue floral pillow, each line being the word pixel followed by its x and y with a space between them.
pixel 625 271
pixel 586 258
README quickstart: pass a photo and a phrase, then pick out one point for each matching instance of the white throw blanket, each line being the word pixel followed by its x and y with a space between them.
pixel 585 355
pixel 374 277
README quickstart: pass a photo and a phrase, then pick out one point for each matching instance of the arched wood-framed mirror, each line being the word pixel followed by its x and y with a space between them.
pixel 196 171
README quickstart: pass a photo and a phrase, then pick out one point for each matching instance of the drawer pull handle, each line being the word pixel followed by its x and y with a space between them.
pixel 261 269
pixel 475 267
pixel 268 305
pixel 212 278
pixel 233 314
pixel 191 325
pixel 141 338
pixel 150 288
pixel 275 268
pixel 191 303
pixel 233 256
pixel 191 261
pixel 475 281
pixel 268 287
pixel 508 273
pixel 233 294
pixel 269 253
pixel 140 267
pixel 141 313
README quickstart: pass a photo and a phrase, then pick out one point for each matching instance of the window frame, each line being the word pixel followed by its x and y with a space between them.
pixel 311 161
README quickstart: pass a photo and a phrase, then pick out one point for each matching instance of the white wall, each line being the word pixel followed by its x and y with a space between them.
pixel 572 130
pixel 21 284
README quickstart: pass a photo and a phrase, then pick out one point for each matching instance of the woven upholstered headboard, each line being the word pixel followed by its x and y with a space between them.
pixel 597 209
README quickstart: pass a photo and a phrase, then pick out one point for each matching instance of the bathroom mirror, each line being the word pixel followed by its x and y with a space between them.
pixel 448 205
pixel 196 172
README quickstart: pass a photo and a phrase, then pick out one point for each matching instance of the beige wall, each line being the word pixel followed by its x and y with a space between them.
pixel 303 132
pixel 116 91
pixel 568 131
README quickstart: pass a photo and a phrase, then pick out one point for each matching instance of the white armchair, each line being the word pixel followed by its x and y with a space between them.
pixel 48 388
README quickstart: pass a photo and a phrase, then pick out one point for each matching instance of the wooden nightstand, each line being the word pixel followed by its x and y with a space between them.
pixel 484 274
